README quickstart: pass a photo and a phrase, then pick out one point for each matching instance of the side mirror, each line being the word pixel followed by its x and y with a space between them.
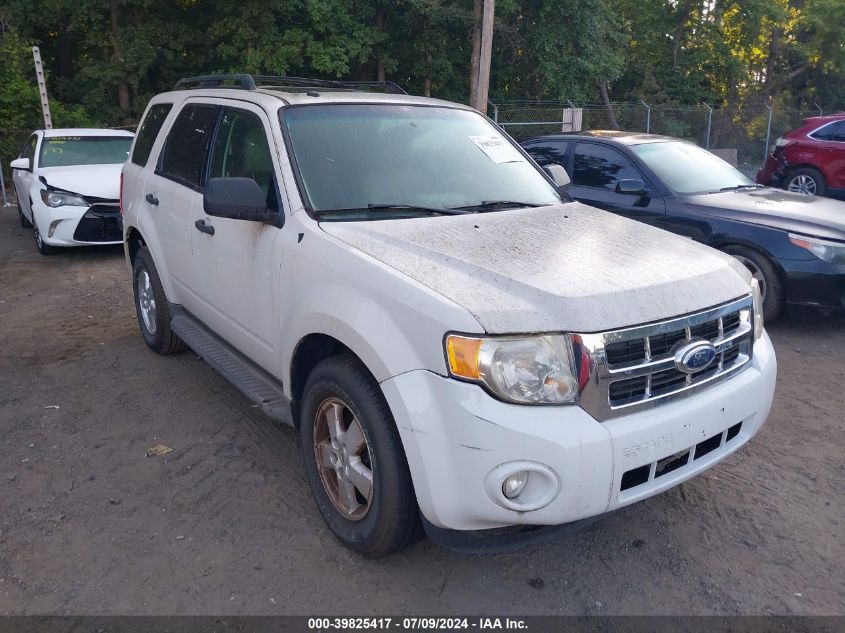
pixel 630 187
pixel 20 163
pixel 238 199
pixel 557 174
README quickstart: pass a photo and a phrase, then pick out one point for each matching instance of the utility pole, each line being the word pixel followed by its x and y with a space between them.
pixel 482 86
pixel 42 88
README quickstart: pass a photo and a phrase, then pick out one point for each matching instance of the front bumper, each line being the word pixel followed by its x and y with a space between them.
pixel 815 283
pixel 459 442
pixel 78 226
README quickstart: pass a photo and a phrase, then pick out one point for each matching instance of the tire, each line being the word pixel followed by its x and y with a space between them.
pixel 388 520
pixel 805 180
pixel 25 223
pixel 43 248
pixel 766 274
pixel 151 306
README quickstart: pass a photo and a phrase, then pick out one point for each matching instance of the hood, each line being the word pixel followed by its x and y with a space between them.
pixel 809 215
pixel 91 181
pixel 564 267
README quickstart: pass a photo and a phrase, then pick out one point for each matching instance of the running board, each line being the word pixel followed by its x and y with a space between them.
pixel 253 381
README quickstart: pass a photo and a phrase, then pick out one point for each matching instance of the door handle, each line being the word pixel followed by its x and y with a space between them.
pixel 202 227
pixel 151 198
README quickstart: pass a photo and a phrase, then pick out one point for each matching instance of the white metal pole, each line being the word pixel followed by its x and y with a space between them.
pixel 42 88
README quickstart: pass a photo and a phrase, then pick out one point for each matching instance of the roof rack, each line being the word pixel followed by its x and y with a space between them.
pixel 241 82
pixel 251 82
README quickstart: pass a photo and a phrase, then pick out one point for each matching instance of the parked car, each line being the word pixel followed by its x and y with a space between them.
pixel 809 160
pixel 67 183
pixel 451 335
pixel 793 245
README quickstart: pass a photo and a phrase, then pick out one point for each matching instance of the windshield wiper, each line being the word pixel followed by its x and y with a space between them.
pixel 397 207
pixel 738 187
pixel 413 207
pixel 492 205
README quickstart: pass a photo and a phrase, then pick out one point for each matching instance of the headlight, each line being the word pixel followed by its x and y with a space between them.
pixel 757 308
pixel 831 252
pixel 529 370
pixel 59 199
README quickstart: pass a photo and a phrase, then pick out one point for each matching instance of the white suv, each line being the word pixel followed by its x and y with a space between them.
pixel 452 335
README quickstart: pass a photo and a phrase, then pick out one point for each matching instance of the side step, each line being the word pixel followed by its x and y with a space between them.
pixel 253 381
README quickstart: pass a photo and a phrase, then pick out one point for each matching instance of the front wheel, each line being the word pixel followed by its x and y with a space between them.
pixel 761 269
pixel 354 459
pixel 151 306
pixel 25 223
pixel 43 247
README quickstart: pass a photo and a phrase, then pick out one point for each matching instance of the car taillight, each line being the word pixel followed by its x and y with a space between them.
pixel 120 200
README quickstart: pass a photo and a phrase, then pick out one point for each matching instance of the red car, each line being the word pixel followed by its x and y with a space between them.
pixel 810 159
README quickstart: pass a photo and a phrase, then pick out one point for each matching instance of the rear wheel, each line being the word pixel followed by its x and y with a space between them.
pixel 151 306
pixel 764 271
pixel 805 180
pixel 355 461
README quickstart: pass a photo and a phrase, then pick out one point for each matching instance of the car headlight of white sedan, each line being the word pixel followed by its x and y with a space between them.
pixel 62 199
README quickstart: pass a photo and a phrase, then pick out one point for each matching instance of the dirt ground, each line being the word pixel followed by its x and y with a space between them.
pixel 225 524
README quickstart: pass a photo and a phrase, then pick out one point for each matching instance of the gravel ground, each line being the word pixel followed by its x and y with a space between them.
pixel 225 523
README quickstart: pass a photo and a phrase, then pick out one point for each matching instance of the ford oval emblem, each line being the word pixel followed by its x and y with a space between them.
pixel 694 356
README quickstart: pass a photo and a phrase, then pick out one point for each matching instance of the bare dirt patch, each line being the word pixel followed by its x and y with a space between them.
pixel 225 523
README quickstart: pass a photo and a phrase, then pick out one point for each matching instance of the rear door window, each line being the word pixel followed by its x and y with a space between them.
pixel 831 132
pixel 549 153
pixel 148 132
pixel 186 148
pixel 599 166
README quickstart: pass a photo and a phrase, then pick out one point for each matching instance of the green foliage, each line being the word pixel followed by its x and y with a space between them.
pixel 106 58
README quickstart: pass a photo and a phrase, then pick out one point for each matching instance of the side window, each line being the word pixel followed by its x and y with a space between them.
pixel 28 149
pixel 838 132
pixel 553 152
pixel 600 166
pixel 241 150
pixel 148 132
pixel 187 144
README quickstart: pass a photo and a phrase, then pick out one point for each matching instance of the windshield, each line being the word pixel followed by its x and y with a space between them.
pixel 686 168
pixel 357 157
pixel 62 151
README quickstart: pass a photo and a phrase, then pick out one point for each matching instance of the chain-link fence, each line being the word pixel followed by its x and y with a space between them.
pixel 11 142
pixel 749 130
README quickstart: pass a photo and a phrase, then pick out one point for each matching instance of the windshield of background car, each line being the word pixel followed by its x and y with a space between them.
pixel 687 169
pixel 62 151
pixel 352 156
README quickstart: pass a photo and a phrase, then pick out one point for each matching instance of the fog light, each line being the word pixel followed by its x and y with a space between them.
pixel 52 228
pixel 514 484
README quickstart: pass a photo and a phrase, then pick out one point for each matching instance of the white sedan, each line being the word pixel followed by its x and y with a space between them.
pixel 68 185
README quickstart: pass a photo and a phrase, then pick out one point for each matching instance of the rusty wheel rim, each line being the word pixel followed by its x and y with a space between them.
pixel 343 459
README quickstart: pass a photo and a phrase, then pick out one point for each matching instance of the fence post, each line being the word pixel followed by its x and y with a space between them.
pixel 709 122
pixel 647 117
pixel 495 112
pixel 768 133
pixel 3 187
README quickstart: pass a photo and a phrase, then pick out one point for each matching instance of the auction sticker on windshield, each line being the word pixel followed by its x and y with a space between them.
pixel 497 149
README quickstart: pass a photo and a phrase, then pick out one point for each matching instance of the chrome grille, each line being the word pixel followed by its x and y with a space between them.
pixel 636 367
